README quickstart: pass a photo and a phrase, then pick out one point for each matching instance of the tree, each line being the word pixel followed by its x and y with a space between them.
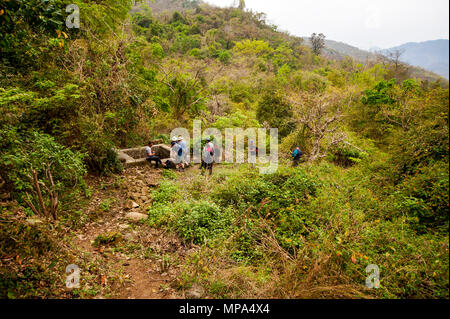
pixel 317 43
pixel 399 69
pixel 241 5
pixel 391 60
pixel 275 111
pixel 394 57
pixel 320 114
pixel 186 91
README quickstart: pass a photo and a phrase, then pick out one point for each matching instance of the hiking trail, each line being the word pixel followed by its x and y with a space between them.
pixel 142 258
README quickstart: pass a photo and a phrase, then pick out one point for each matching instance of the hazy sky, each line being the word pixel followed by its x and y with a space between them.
pixel 361 23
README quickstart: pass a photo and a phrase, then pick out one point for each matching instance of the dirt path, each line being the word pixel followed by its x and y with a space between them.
pixel 146 260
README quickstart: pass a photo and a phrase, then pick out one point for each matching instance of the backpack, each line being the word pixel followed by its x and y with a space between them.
pixel 296 154
pixel 170 164
pixel 210 150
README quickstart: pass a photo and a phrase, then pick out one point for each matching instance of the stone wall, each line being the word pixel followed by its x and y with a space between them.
pixel 136 156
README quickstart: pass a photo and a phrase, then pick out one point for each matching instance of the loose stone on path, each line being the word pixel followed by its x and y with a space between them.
pixel 135 217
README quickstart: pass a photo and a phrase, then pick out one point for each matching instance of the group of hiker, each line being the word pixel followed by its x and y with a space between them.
pixel 179 150
pixel 178 153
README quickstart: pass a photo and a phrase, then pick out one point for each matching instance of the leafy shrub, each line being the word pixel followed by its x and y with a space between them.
pixel 425 197
pixel 165 193
pixel 169 174
pixel 237 119
pixel 158 50
pixel 253 47
pixel 22 152
pixel 186 43
pixel 276 111
pixel 246 243
pixel 223 55
pixel 346 155
pixel 380 94
pixel 202 221
pixel 311 82
pixel 163 209
pixel 161 214
pixel 283 189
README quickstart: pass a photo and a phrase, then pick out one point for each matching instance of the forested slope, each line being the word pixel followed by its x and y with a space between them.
pixel 373 188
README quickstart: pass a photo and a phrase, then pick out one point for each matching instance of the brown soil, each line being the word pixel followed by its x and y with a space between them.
pixel 144 276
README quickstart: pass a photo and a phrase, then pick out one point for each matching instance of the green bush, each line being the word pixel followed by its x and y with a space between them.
pixel 345 155
pixel 246 246
pixel 166 192
pixel 223 55
pixel 202 221
pixel 169 174
pixel 275 110
pixel 161 214
pixel 22 152
pixel 163 210
pixel 284 188
pixel 425 197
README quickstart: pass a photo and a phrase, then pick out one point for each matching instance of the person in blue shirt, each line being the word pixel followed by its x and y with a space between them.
pixel 182 153
pixel 296 156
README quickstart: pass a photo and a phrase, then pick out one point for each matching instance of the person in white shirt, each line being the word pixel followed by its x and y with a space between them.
pixel 151 156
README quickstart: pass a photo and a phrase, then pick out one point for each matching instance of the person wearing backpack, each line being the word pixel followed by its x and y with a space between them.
pixel 208 157
pixel 296 156
pixel 181 153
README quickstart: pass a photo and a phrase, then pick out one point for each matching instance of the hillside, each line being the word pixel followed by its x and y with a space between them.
pixel 429 55
pixel 338 50
pixel 428 60
pixel 429 64
pixel 371 188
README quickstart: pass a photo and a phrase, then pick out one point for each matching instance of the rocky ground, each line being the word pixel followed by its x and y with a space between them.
pixel 106 235
pixel 148 260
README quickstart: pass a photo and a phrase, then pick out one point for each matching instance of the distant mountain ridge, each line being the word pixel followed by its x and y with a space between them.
pixel 430 59
pixel 430 55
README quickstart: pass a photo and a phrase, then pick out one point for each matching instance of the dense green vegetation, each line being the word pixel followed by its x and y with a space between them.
pixel 373 188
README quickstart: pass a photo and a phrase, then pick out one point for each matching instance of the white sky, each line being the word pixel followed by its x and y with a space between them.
pixel 361 23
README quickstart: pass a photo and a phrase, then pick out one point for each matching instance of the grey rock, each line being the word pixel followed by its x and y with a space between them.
pixel 124 226
pixel 135 217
